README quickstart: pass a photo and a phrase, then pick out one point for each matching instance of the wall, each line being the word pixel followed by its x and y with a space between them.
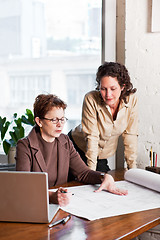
pixel 139 49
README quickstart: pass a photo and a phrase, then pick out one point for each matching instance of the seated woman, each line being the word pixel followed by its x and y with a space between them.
pixel 46 149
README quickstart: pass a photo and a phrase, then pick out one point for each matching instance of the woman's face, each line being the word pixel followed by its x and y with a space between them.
pixel 110 91
pixel 48 128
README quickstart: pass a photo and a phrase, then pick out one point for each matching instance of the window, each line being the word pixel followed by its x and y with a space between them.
pixel 76 87
pixel 24 88
pixel 48 46
pixel 53 46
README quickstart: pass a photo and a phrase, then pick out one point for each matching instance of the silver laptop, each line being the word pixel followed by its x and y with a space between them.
pixel 24 197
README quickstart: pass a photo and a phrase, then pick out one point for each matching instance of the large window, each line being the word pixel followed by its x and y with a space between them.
pixel 24 88
pixel 48 46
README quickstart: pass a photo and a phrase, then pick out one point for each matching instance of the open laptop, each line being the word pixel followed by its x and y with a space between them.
pixel 24 197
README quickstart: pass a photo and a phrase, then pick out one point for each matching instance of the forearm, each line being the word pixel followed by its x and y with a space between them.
pixel 90 177
pixel 92 151
pixel 130 150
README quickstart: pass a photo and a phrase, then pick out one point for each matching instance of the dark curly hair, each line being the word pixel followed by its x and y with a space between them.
pixel 119 71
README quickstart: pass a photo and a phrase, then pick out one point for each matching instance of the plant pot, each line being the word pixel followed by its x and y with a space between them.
pixel 11 155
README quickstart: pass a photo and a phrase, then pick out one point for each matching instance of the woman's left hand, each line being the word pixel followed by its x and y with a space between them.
pixel 109 185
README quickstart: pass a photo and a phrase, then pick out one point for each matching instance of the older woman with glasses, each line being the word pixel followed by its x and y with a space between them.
pixel 46 149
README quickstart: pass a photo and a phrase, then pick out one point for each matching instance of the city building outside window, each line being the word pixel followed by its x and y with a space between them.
pixel 48 46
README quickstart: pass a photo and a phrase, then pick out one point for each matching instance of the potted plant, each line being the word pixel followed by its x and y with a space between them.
pixel 17 132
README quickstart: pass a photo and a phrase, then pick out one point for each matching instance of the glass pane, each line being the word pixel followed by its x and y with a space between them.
pixel 48 46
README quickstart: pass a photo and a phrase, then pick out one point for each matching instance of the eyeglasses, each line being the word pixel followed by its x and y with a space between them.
pixel 56 120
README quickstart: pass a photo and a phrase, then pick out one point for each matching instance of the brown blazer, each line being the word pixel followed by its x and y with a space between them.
pixel 30 158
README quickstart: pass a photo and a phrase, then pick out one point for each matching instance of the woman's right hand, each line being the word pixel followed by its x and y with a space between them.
pixel 61 197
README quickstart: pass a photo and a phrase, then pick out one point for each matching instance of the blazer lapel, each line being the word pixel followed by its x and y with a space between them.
pixel 40 160
pixel 36 150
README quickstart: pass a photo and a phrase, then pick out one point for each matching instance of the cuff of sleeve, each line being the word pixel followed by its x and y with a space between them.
pixel 132 165
pixel 102 176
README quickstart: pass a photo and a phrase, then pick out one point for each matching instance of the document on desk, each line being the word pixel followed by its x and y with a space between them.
pixel 90 205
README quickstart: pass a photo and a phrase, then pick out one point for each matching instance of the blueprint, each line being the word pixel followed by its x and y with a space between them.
pixel 90 205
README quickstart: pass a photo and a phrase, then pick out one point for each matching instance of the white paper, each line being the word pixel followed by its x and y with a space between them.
pixel 144 178
pixel 155 16
pixel 90 205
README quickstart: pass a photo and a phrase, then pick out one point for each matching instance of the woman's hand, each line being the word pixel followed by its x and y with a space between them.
pixel 63 197
pixel 109 185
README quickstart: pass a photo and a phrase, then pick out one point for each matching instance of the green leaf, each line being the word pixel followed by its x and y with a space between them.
pixel 18 122
pixel 17 134
pixel 6 146
pixel 4 129
pixel 2 121
pixel 13 137
pixel 15 115
pixel 29 119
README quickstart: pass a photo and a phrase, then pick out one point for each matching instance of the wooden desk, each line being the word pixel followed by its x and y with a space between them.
pixel 125 226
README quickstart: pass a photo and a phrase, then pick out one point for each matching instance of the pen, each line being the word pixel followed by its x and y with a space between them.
pixel 62 191
pixel 63 220
pixel 151 156
pixel 156 161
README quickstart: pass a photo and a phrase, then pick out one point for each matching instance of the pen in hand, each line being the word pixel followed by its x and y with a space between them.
pixel 63 197
pixel 63 220
pixel 62 191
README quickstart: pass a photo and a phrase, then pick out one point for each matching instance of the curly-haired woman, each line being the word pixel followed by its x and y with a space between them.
pixel 108 112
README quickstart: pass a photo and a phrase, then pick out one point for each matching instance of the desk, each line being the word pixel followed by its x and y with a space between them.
pixel 125 226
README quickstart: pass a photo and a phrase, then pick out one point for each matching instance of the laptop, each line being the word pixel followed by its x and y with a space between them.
pixel 24 197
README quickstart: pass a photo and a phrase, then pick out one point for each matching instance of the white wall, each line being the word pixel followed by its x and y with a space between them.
pixel 142 58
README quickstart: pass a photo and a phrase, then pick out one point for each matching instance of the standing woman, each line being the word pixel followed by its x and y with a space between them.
pixel 46 149
pixel 107 113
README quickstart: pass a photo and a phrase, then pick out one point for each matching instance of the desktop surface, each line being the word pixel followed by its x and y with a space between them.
pixel 125 226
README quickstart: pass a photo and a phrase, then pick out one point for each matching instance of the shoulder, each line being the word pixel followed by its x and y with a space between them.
pixel 93 97
pixel 63 139
pixel 23 141
pixel 65 144
pixel 92 94
pixel 31 139
pixel 22 144
pixel 132 99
